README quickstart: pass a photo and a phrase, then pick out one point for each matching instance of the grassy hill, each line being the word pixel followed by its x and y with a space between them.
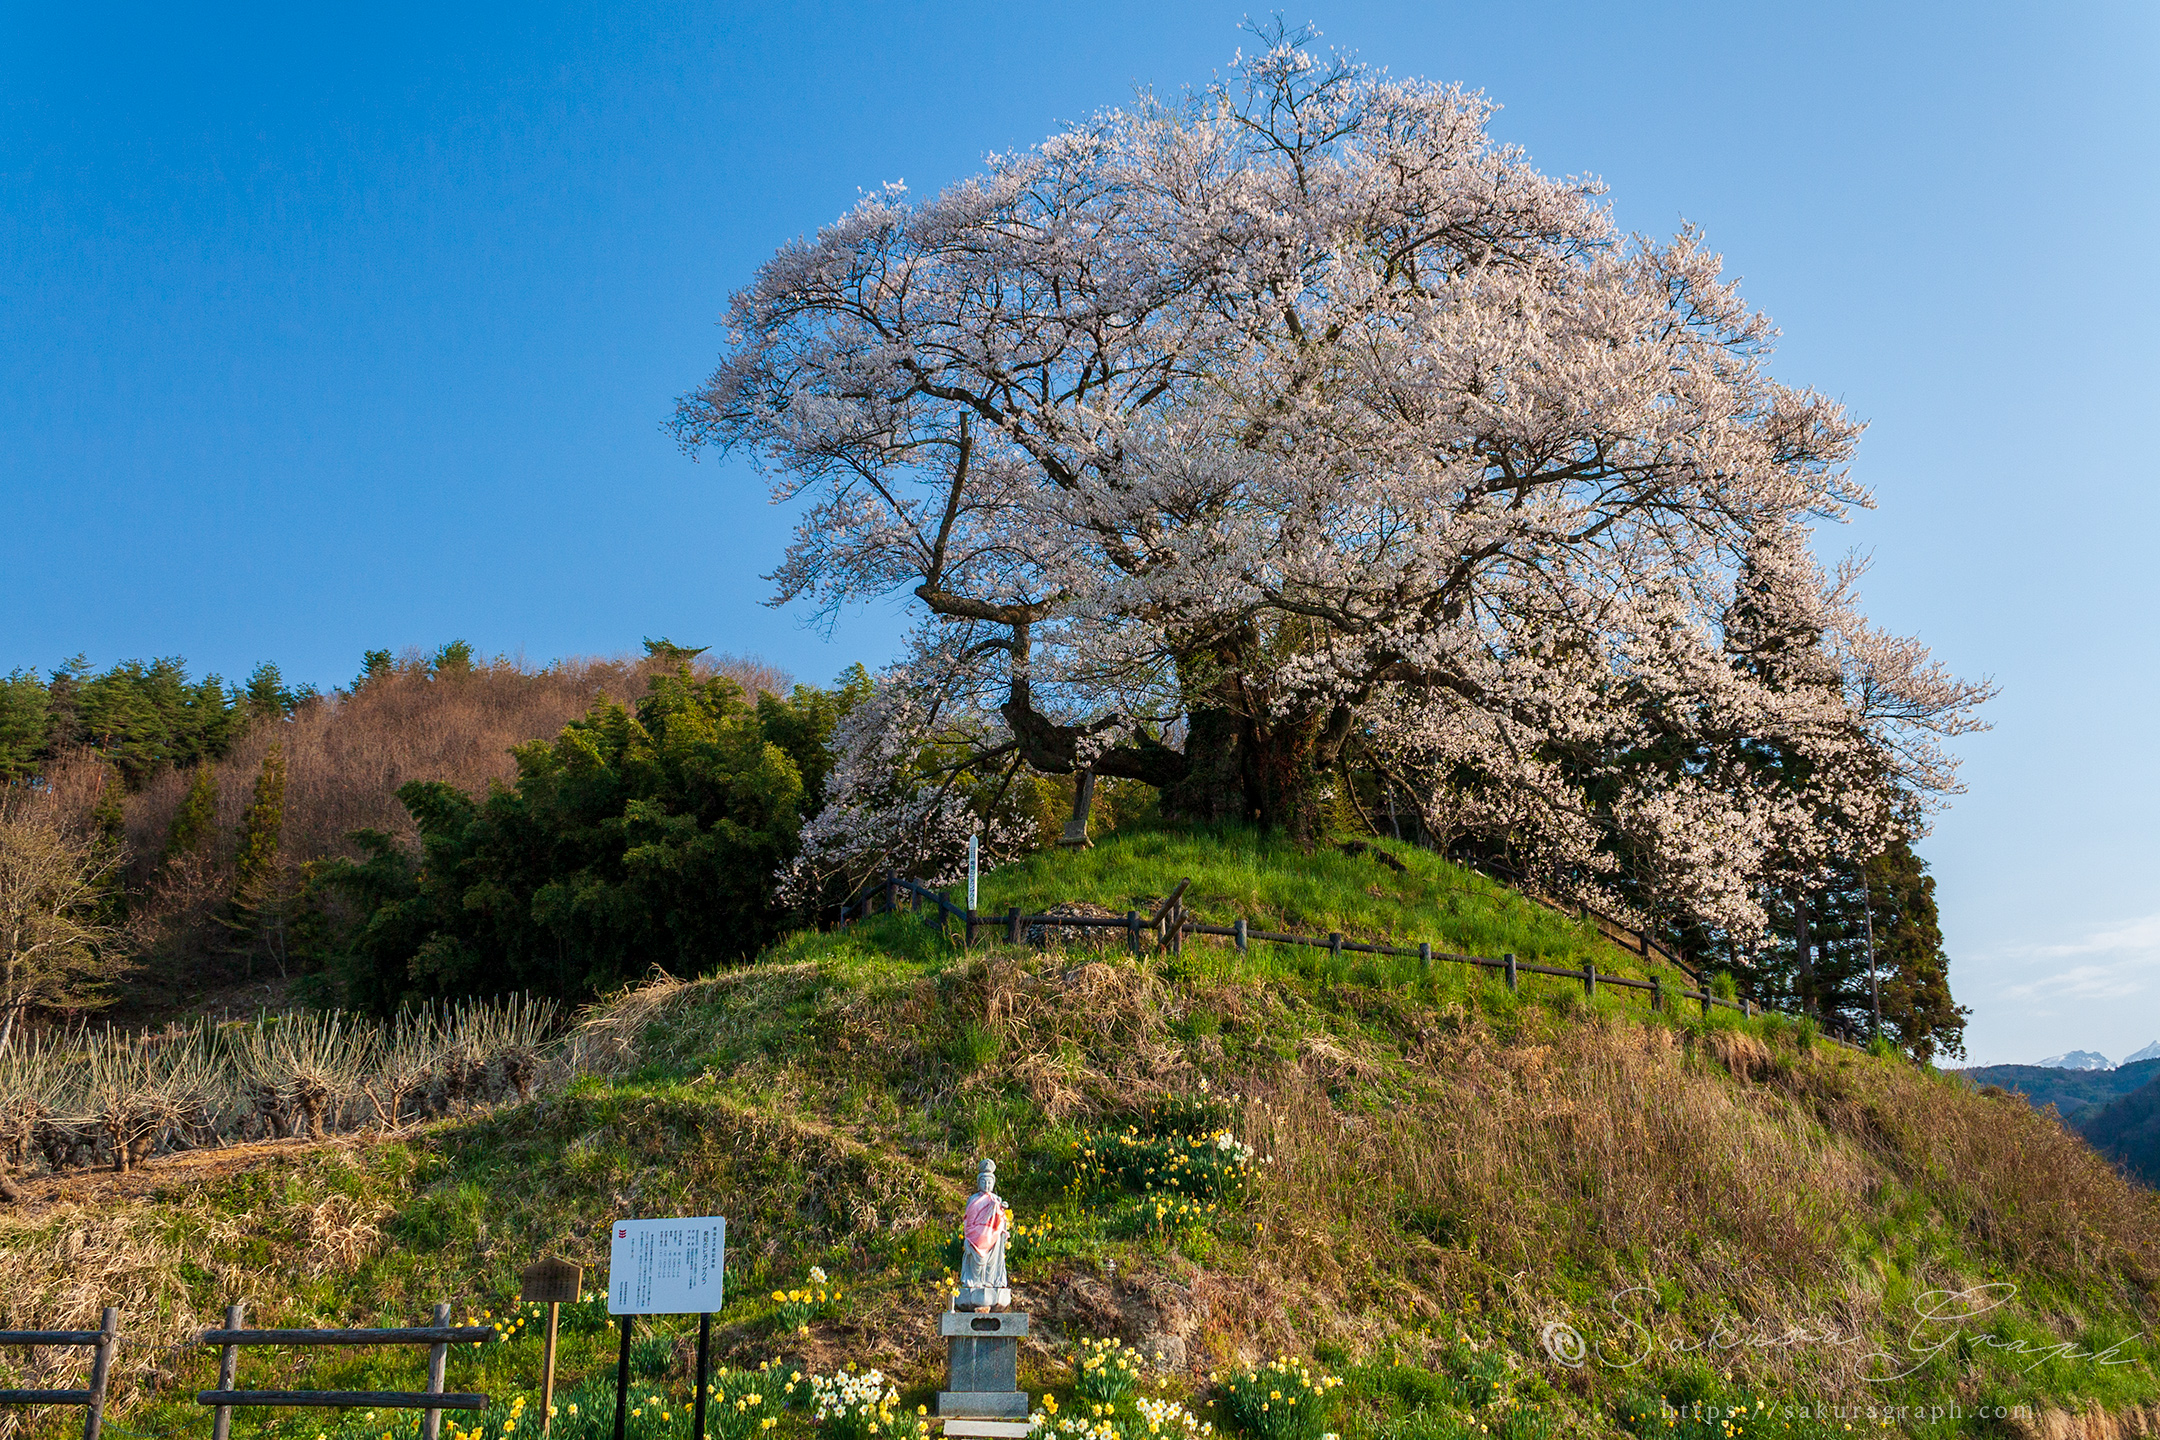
pixel 1441 1175
pixel 2071 1092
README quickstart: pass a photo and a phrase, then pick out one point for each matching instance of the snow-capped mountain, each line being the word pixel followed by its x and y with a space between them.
pixel 2150 1052
pixel 2078 1060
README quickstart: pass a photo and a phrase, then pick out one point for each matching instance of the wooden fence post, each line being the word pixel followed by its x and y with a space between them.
pixel 1132 931
pixel 228 1375
pixel 1241 935
pixel 1334 944
pixel 438 1353
pixel 1509 958
pixel 1705 998
pixel 1424 956
pixel 969 943
pixel 1657 994
pixel 1589 979
pixel 100 1371
pixel 1012 927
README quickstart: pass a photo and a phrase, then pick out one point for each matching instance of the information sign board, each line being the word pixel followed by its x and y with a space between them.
pixel 666 1267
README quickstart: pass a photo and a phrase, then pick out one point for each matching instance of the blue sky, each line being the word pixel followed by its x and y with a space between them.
pixel 325 331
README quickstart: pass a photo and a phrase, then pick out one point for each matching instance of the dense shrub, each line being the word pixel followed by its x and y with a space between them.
pixel 634 839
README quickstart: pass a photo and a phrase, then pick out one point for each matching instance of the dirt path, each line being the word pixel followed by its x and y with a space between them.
pixel 103 1188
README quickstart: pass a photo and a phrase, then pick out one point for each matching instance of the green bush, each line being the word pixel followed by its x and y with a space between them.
pixel 633 839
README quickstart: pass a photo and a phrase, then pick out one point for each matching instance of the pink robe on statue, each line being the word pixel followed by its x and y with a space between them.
pixel 983 1222
pixel 982 1260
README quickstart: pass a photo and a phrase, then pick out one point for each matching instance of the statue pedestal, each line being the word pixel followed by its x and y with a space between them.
pixel 983 1397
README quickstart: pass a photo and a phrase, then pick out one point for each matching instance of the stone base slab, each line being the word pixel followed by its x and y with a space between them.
pixel 981 1405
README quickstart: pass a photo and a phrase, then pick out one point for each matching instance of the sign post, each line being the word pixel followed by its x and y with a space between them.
pixel 665 1267
pixel 552 1281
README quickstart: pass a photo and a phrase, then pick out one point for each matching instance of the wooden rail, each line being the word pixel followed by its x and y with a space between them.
pixel 92 1397
pixel 438 1337
pixel 1170 924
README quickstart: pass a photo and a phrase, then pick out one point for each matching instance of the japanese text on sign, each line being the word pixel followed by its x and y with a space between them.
pixel 666 1267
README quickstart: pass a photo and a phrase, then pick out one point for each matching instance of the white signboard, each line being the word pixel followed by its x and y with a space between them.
pixel 665 1267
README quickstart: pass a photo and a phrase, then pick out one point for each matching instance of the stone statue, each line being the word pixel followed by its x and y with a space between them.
pixel 985 1228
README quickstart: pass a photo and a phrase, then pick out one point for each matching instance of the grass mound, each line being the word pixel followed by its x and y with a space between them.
pixel 1484 1213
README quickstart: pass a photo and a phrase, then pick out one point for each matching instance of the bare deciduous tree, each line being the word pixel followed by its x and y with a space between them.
pixel 58 951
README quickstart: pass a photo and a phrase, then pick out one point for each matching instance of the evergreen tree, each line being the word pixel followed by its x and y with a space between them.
pixel 23 718
pixel 195 823
pixel 374 665
pixel 454 661
pixel 260 829
pixel 108 817
pixel 667 650
pixel 1918 1011
pixel 267 697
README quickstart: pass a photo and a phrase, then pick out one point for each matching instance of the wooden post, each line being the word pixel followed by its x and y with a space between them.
pixel 1242 943
pixel 1012 927
pixel 228 1375
pixel 969 943
pixel 551 1281
pixel 704 1347
pixel 438 1354
pixel 1176 923
pixel 1589 978
pixel 1132 931
pixel 547 1372
pixel 1705 984
pixel 622 1378
pixel 1424 956
pixel 1509 971
pixel 100 1369
pixel 1334 944
pixel 1657 994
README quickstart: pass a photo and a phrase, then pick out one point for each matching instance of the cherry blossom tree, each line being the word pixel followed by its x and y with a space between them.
pixel 1227 434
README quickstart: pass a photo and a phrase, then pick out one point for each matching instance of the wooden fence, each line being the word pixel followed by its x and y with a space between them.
pixel 438 1337
pixel 92 1397
pixel 1625 937
pixel 1169 924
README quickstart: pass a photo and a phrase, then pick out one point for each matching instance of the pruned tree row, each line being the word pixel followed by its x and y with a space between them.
pixel 104 1098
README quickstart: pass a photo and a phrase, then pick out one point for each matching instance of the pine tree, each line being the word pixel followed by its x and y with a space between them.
pixel 1918 1011
pixel 374 665
pixel 260 829
pixel 108 818
pixel 454 661
pixel 196 820
pixel 266 696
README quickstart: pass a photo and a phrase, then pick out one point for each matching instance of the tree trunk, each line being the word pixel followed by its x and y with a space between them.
pixel 1805 945
pixel 1219 784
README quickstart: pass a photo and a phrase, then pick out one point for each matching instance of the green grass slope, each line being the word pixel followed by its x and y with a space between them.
pixel 1412 1180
